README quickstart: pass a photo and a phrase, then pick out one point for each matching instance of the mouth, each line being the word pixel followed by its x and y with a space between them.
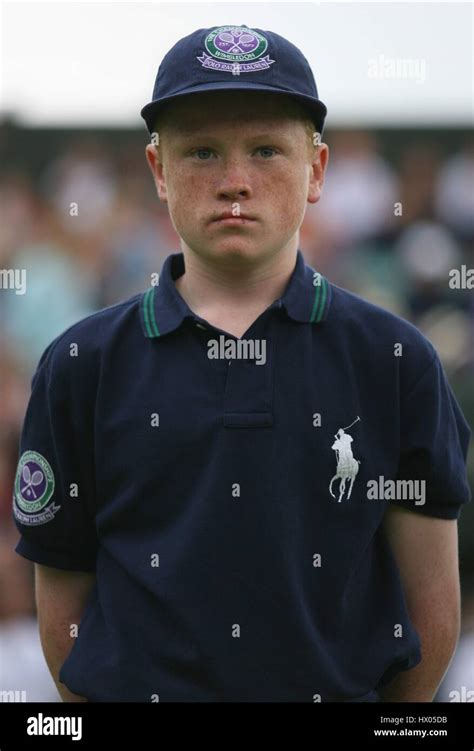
pixel 233 221
pixel 227 219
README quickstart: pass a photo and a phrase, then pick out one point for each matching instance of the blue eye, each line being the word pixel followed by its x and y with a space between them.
pixel 198 153
pixel 267 148
pixel 202 151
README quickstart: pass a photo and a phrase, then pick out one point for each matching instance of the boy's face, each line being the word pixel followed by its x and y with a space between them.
pixel 220 150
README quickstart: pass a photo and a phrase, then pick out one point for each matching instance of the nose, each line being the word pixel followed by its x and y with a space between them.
pixel 234 181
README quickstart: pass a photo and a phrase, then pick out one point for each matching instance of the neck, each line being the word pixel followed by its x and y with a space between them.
pixel 210 288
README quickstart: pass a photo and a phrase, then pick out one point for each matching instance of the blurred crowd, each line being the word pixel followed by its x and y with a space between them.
pixel 391 226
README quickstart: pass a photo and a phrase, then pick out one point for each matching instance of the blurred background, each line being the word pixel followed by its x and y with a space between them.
pixel 396 215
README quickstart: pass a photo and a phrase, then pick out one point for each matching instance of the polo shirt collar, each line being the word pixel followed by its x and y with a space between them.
pixel 306 299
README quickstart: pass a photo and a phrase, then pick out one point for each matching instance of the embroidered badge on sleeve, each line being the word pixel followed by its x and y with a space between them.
pixel 34 486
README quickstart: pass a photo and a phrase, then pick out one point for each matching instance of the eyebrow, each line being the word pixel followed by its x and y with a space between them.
pixel 189 133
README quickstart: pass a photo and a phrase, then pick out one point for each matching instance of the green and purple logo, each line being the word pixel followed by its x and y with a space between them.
pixel 235 49
pixel 34 486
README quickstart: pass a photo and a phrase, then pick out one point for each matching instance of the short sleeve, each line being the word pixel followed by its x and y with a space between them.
pixel 434 440
pixel 53 495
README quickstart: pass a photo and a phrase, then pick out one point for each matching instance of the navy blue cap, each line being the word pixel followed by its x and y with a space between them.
pixel 237 58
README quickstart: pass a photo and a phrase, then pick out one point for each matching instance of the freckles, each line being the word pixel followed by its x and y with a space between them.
pixel 283 186
pixel 192 183
pixel 184 190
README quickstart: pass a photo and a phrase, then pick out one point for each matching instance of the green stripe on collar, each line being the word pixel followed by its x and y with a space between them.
pixel 149 313
pixel 320 296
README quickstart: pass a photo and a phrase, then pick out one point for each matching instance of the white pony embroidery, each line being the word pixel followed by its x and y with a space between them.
pixel 347 466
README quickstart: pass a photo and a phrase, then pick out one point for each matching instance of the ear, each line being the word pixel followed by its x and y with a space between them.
pixel 154 158
pixel 318 170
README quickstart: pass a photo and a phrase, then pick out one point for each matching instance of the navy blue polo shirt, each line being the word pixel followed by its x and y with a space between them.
pixel 231 506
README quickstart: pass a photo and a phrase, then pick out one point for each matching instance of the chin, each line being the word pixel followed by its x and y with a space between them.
pixel 238 252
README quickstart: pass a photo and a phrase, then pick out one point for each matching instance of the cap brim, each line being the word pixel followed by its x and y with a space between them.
pixel 315 106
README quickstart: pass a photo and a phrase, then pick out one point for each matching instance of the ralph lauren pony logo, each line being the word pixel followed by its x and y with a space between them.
pixel 347 466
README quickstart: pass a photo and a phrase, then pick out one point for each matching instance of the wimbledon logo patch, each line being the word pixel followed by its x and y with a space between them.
pixel 34 486
pixel 235 49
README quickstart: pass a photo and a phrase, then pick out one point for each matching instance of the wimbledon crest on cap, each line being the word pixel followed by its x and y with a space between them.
pixel 236 50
